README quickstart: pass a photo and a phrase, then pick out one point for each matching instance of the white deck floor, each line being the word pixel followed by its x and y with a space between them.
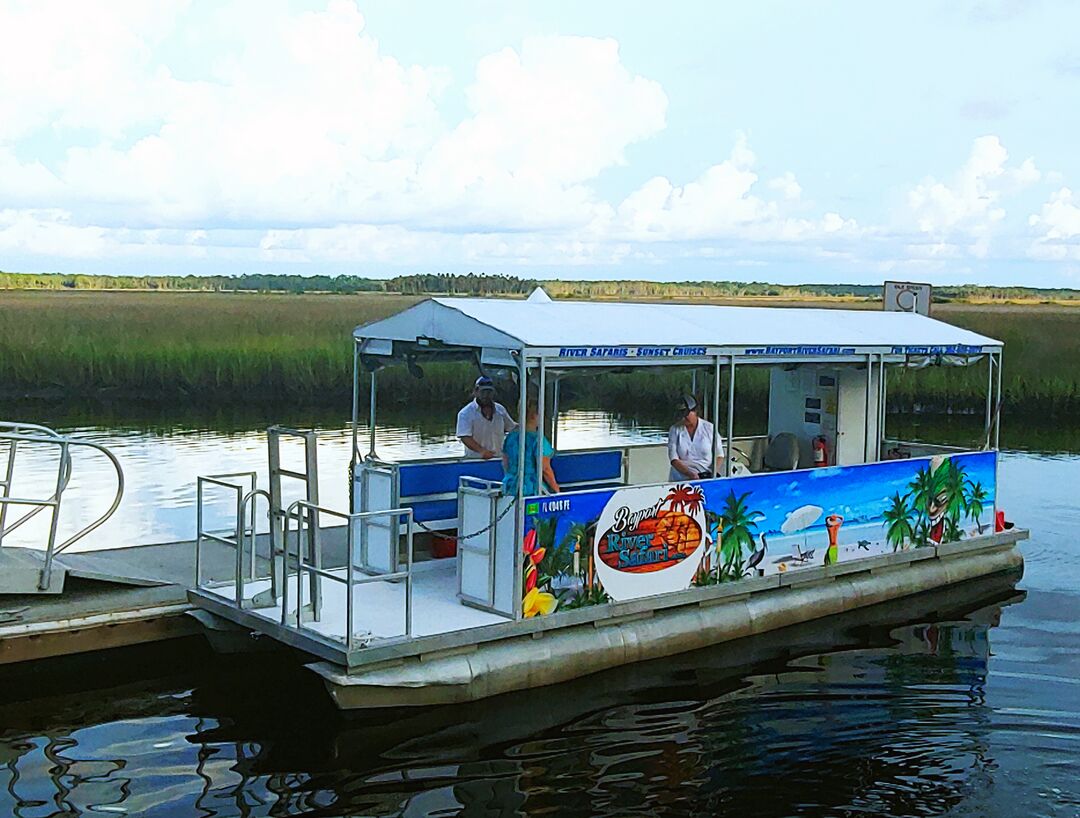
pixel 379 606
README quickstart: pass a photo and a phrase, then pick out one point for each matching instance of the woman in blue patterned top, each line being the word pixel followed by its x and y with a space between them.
pixel 511 447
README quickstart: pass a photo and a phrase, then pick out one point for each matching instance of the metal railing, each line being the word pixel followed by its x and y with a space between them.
pixel 244 539
pixel 915 448
pixel 304 513
pixel 15 433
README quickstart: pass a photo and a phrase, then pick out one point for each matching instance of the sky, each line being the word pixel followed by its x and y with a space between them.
pixel 769 141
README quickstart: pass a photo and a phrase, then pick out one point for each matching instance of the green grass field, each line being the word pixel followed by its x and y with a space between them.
pixel 212 349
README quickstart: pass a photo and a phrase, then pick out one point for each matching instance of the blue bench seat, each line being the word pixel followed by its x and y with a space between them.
pixel 430 488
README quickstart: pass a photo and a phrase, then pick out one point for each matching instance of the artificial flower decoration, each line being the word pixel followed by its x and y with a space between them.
pixel 537 602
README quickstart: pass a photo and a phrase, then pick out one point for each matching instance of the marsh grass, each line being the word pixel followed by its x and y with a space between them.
pixel 215 349
pixel 196 346
pixel 1041 372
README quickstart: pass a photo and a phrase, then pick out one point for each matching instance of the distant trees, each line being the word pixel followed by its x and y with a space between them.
pixel 244 283
pixel 477 284
pixel 467 284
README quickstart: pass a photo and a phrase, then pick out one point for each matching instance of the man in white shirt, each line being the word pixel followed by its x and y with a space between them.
pixel 482 423
pixel 693 445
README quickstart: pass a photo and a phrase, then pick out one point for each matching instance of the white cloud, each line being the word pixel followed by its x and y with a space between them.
pixel 1058 225
pixel 543 122
pixel 725 201
pixel 305 119
pixel 296 137
pixel 968 208
pixel 79 65
pixel 50 232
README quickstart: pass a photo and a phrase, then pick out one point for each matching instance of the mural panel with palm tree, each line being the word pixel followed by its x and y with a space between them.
pixel 770 523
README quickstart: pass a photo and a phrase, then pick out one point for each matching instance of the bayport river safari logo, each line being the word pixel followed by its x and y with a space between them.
pixel 650 540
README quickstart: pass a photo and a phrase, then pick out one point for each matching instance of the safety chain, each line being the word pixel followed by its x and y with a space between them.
pixel 477 533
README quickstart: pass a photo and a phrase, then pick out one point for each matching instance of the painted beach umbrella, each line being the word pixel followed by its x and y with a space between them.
pixel 800 518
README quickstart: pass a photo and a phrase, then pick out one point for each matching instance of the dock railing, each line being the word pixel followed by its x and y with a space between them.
pixel 305 514
pixel 16 433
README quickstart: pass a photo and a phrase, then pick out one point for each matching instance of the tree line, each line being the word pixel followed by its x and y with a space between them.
pixel 476 284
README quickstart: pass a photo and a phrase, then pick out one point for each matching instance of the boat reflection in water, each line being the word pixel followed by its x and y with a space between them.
pixel 874 711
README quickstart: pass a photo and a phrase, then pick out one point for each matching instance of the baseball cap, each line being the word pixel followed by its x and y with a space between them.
pixel 484 382
pixel 686 404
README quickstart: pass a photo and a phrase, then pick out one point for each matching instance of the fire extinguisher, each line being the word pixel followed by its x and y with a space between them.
pixel 821 452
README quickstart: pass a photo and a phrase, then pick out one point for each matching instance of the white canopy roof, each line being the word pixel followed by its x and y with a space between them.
pixel 576 329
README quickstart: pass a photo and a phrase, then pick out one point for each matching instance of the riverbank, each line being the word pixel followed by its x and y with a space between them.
pixel 230 349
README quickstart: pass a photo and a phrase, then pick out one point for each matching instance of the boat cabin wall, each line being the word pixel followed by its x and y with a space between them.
pixel 830 402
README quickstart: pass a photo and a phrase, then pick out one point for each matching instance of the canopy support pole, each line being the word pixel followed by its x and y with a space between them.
pixel 355 403
pixel 371 419
pixel 519 511
pixel 555 414
pixel 715 416
pixel 730 415
pixel 989 399
pixel 866 419
pixel 540 401
pixel 997 411
pixel 881 410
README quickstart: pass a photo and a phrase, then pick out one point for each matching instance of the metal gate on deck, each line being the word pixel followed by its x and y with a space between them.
pixel 292 566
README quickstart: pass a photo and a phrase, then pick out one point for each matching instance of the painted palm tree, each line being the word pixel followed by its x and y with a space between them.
pixel 955 482
pixel 686 498
pixel 899 529
pixel 976 498
pixel 737 532
pixel 928 490
pixel 922 489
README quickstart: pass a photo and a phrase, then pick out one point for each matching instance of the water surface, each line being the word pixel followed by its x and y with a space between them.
pixel 966 703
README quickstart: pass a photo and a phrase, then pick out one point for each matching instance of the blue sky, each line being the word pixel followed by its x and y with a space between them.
pixel 788 142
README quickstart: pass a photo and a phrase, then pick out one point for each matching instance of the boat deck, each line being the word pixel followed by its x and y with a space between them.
pixel 379 605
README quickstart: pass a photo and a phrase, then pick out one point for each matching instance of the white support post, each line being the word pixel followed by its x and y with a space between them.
pixel 519 511
pixel 989 399
pixel 371 419
pixel 716 418
pixel 555 414
pixel 997 412
pixel 866 419
pixel 541 399
pixel 730 416
pixel 355 407
pixel 881 410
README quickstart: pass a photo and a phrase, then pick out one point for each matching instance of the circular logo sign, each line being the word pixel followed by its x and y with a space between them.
pixel 650 540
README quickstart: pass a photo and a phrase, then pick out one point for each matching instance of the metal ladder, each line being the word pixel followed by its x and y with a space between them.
pixel 19 564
